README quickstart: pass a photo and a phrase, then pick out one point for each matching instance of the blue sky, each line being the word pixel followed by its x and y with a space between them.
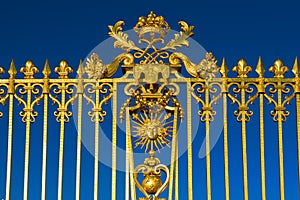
pixel 233 29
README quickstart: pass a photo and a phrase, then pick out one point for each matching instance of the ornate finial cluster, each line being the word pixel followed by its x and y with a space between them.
pixel 208 68
pixel 95 68
pixel 151 24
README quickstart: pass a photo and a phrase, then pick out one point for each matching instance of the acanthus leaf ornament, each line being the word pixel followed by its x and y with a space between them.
pixel 181 38
pixel 121 38
pixel 95 68
pixel 208 68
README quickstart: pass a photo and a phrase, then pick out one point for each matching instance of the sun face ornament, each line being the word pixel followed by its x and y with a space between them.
pixel 152 129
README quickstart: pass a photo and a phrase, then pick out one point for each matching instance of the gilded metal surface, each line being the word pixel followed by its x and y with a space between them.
pixel 151 78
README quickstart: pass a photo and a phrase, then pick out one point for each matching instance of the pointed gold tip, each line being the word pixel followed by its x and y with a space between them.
pixel 260 69
pixel 80 70
pixel 12 69
pixel 224 68
pixel 296 68
pixel 46 70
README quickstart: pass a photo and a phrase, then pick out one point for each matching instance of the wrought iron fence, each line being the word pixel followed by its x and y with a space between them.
pixel 143 94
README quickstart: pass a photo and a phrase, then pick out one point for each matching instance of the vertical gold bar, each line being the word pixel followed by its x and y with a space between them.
pixel 190 142
pixel 44 159
pixel 96 158
pixel 114 144
pixel 61 143
pixel 127 171
pixel 208 178
pixel 280 145
pixel 79 136
pixel 27 144
pixel 226 170
pixel 298 133
pixel 176 175
pixel 207 146
pixel 129 160
pixel 262 146
pixel 173 154
pixel 9 145
pixel 131 168
pixel 244 145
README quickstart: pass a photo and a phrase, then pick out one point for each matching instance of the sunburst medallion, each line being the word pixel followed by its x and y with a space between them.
pixel 152 128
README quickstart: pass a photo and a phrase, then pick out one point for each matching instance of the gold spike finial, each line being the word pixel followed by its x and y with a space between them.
pixel 12 70
pixel 278 69
pixel 46 70
pixel 224 68
pixel 296 68
pixel 260 69
pixel 80 70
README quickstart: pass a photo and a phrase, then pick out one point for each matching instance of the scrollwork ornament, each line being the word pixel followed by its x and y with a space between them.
pixel 97 95
pixel 3 95
pixel 248 93
pixel 285 97
pixel 206 94
pixel 28 90
pixel 67 97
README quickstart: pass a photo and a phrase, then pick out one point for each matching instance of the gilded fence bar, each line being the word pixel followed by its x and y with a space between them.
pixel 80 90
pixel 190 142
pixel 11 90
pixel 46 73
pixel 224 72
pixel 261 90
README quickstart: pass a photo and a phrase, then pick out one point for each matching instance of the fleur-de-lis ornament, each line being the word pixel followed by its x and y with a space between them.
pixel 29 70
pixel 242 69
pixel 2 70
pixel 63 69
pixel 278 69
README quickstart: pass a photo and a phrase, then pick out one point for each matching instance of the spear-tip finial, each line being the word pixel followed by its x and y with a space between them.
pixel 260 69
pixel 12 69
pixel 80 70
pixel 224 68
pixel 296 68
pixel 46 70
